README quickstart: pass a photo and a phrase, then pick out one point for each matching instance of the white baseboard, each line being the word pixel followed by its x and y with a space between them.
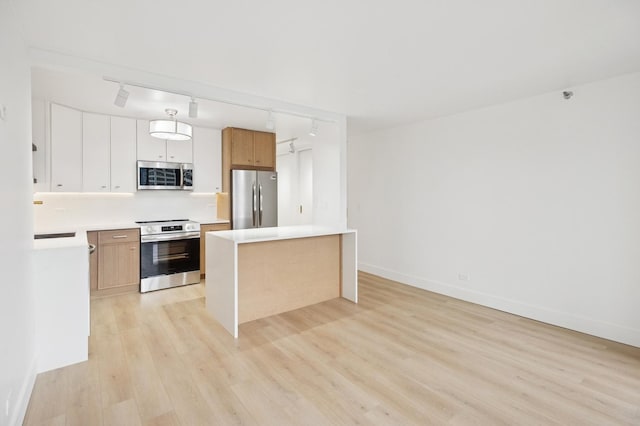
pixel 602 329
pixel 22 400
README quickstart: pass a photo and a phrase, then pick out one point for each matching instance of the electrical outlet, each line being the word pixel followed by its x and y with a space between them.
pixel 464 277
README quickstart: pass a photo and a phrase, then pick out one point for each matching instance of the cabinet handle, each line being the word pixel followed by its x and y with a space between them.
pixel 132 248
pixel 59 185
pixel 119 236
pixel 117 186
pixel 104 186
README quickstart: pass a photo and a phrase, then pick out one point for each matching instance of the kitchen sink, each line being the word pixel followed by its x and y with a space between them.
pixel 58 235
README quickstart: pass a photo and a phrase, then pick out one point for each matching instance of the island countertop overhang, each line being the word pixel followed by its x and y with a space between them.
pixel 255 235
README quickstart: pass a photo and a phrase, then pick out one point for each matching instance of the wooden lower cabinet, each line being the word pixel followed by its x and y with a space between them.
pixel 115 264
pixel 204 228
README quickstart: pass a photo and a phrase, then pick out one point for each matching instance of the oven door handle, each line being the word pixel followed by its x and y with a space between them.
pixel 174 237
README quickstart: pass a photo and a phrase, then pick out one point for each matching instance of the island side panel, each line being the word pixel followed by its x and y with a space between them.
pixel 350 266
pixel 221 282
pixel 283 275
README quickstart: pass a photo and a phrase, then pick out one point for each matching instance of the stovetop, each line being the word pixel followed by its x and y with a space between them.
pixel 144 222
pixel 151 227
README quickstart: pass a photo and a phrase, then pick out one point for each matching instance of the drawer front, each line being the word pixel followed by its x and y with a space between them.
pixel 119 236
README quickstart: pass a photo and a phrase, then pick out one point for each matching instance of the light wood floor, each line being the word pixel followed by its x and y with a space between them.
pixel 402 356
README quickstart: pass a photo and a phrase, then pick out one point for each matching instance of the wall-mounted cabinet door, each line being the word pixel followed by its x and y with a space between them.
pixel 241 147
pixel 123 154
pixel 39 146
pixel 96 154
pixel 180 151
pixel 207 161
pixel 154 149
pixel 149 148
pixel 264 149
pixel 66 149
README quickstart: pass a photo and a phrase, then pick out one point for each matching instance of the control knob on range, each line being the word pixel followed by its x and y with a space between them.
pixel 149 229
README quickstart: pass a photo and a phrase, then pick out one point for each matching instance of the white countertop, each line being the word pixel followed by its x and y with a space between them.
pixel 80 240
pixel 240 236
pixel 81 233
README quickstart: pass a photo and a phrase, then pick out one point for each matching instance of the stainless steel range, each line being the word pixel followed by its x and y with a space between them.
pixel 169 254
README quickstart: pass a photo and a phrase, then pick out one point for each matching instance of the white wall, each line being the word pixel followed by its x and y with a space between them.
pixel 329 186
pixel 61 211
pixel 17 320
pixel 536 201
pixel 295 183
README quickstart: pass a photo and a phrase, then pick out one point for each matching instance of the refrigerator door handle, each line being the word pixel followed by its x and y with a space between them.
pixel 260 214
pixel 253 210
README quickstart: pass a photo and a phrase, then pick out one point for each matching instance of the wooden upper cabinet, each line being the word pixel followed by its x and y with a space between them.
pixel 246 149
pixel 264 149
pixel 242 147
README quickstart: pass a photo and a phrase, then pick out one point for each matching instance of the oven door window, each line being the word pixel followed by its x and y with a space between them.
pixel 169 257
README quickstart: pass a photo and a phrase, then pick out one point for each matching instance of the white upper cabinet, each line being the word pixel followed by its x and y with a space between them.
pixel 149 148
pixel 180 151
pixel 207 165
pixel 40 146
pixel 108 153
pixel 96 154
pixel 154 149
pixel 66 149
pixel 123 154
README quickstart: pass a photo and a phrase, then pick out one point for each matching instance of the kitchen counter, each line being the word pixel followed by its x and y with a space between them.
pixel 61 276
pixel 81 235
pixel 80 238
pixel 243 236
pixel 255 273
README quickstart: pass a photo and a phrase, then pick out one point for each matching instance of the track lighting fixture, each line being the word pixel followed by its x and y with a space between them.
pixel 193 108
pixel 314 128
pixel 567 94
pixel 271 124
pixel 292 147
pixel 121 97
pixel 171 129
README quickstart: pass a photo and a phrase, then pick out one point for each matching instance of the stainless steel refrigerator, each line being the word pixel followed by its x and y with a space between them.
pixel 254 199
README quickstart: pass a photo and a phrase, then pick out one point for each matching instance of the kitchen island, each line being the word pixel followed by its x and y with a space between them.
pixel 255 273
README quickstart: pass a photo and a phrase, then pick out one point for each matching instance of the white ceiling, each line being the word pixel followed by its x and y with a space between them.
pixel 381 63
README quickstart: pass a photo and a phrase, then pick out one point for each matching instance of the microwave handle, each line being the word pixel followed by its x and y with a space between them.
pixel 182 185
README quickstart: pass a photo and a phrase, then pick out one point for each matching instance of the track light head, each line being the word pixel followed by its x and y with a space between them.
pixel 271 124
pixel 567 94
pixel 193 108
pixel 292 147
pixel 313 131
pixel 121 97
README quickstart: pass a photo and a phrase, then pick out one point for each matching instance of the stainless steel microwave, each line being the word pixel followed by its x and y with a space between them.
pixel 160 175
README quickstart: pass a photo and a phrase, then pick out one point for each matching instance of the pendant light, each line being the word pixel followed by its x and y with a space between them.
pixel 171 129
